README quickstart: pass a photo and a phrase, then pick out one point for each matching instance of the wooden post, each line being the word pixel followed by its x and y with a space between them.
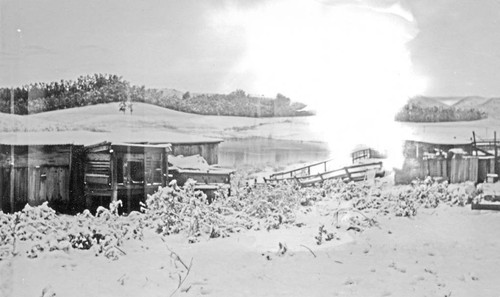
pixel 12 180
pixel 145 183
pixel 164 167
pixel 1 188
pixel 114 179
pixel 348 173
pixel 72 199
pixel 496 152
pixel 12 172
pixel 428 167
pixel 474 141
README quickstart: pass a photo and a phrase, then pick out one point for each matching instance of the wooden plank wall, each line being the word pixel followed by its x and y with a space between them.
pixel 436 167
pixel 4 189
pixel 37 185
pixel 469 168
pixel 457 170
pixel 464 169
pixel 209 151
pixel 153 161
pixel 76 182
pixel 37 156
pixel 41 173
pixel 485 166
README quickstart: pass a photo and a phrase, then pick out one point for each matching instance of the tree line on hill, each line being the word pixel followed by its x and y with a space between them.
pixel 103 88
pixel 416 113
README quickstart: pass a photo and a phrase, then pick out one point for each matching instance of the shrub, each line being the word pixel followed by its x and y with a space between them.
pixel 415 113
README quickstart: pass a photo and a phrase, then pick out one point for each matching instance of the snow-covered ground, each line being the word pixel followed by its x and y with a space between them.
pixel 441 252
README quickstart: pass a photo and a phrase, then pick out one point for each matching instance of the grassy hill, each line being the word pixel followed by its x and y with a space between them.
pixel 470 102
pixel 492 107
pixel 151 118
pixel 456 102
pixel 17 123
pixel 103 88
pixel 427 101
pixel 437 109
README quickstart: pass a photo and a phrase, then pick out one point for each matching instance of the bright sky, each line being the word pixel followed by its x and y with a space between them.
pixel 260 46
pixel 355 61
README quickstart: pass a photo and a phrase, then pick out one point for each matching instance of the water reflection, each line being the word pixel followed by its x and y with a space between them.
pixel 259 152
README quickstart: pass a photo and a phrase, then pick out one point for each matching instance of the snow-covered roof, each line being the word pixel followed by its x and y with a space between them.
pixel 89 138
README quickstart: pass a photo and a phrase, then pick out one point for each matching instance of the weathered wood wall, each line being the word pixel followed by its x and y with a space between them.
pixel 209 151
pixel 41 173
pixel 111 173
pixel 417 149
pixel 456 170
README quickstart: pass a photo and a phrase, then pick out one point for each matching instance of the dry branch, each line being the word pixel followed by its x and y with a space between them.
pixel 178 258
pixel 309 250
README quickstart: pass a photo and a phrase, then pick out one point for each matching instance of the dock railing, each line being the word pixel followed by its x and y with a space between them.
pixel 347 173
pixel 301 171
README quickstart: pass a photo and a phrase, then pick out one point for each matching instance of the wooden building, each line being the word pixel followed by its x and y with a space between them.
pixel 209 150
pixel 75 170
pixel 454 161
pixel 33 173
pixel 123 171
pixel 419 149
pixel 181 144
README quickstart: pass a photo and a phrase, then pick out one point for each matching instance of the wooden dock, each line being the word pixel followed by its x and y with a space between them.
pixel 304 177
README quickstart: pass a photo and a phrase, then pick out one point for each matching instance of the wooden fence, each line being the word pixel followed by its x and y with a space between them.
pixel 33 174
pixel 457 170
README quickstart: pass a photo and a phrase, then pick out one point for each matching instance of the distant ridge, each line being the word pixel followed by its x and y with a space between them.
pixel 470 102
pixel 482 103
pixel 491 107
pixel 446 109
pixel 172 93
pixel 426 101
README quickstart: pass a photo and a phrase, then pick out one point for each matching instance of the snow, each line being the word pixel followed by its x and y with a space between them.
pixel 440 252
pixel 195 162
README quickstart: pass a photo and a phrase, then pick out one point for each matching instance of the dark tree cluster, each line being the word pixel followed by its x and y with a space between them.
pixel 85 90
pixel 237 103
pixel 103 88
pixel 417 113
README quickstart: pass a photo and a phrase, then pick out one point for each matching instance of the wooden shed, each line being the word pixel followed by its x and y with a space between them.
pixel 181 144
pixel 209 150
pixel 123 171
pixel 418 149
pixel 455 161
pixel 32 173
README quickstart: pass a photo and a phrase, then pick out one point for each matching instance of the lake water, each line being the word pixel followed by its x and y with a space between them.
pixel 261 152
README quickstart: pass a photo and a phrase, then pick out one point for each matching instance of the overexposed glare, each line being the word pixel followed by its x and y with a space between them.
pixel 348 62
